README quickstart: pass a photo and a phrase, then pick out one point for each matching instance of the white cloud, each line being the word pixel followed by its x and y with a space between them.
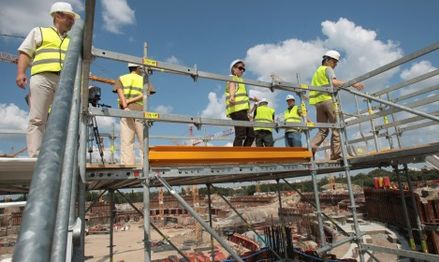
pixel 162 109
pixel 415 70
pixel 215 108
pixel 116 14
pixel 12 117
pixel 18 17
pixel 361 52
pixel 173 60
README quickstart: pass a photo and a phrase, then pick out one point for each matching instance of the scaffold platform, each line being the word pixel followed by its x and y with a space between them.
pixel 16 173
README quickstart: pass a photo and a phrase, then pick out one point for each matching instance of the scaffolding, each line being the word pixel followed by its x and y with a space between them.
pixel 53 230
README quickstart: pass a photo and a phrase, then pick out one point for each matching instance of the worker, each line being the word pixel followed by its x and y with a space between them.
pixel 129 89
pixel 264 114
pixel 47 47
pixel 238 104
pixel 325 108
pixel 293 114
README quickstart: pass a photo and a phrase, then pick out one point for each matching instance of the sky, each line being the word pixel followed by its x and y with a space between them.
pixel 285 38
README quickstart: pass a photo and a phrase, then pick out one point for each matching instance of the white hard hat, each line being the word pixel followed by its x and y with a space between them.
pixel 132 65
pixel 263 100
pixel 333 54
pixel 235 62
pixel 289 97
pixel 64 8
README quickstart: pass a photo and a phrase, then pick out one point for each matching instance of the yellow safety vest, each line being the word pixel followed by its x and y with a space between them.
pixel 264 114
pixel 292 116
pixel 319 79
pixel 49 56
pixel 241 97
pixel 132 86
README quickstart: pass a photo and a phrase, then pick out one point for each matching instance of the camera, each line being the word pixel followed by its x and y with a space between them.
pixel 94 95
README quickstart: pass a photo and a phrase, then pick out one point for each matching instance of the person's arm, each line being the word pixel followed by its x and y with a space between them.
pixel 134 99
pixel 232 91
pixel 23 63
pixel 330 74
pixel 119 89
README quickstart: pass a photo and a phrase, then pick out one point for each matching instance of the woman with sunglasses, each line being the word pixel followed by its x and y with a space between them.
pixel 238 104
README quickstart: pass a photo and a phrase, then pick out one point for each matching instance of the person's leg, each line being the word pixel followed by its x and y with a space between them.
pixel 42 90
pixel 259 138
pixel 335 137
pixel 138 123
pixel 127 141
pixel 240 131
pixel 269 139
pixel 322 117
pixel 288 140
pixel 249 136
pixel 297 139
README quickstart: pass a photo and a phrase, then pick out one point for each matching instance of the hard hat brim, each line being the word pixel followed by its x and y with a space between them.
pixel 75 15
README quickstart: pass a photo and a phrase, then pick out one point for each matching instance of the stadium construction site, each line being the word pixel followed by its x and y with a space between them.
pixel 184 214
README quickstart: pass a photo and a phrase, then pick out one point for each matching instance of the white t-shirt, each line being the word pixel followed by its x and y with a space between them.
pixel 330 74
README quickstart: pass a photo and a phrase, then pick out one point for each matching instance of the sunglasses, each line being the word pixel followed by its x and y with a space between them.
pixel 241 68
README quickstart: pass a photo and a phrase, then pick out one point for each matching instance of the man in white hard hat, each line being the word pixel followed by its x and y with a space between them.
pixel 293 114
pixel 238 104
pixel 264 114
pixel 45 48
pixel 129 88
pixel 325 108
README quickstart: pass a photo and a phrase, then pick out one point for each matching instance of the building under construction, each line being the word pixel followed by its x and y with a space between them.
pixel 53 225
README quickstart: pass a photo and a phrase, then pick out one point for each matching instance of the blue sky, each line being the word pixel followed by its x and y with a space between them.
pixel 281 37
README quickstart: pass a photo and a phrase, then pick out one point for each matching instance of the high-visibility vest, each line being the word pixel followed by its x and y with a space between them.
pixel 319 79
pixel 292 116
pixel 241 97
pixel 132 84
pixel 49 56
pixel 264 114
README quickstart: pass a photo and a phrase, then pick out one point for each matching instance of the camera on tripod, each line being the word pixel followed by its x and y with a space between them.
pixel 94 95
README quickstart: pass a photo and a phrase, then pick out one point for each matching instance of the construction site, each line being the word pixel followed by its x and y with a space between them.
pixel 199 202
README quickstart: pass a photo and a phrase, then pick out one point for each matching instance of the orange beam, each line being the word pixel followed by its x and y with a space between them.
pixel 189 155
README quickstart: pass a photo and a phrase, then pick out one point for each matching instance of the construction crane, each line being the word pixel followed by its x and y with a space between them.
pixel 10 58
pixel 207 138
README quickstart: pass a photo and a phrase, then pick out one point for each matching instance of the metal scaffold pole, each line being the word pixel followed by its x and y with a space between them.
pixel 112 211
pixel 312 167
pixel 344 154
pixel 212 246
pixel 420 230
pixel 404 208
pixel 59 244
pixel 146 174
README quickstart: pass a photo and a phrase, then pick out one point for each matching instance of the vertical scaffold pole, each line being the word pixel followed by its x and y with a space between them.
pixel 212 246
pixel 281 219
pixel 111 195
pixel 420 230
pixel 344 153
pixel 146 175
pixel 372 124
pixel 404 209
pixel 395 127
pixel 312 166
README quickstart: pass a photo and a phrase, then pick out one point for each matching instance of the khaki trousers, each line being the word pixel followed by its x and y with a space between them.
pixel 326 114
pixel 129 128
pixel 42 91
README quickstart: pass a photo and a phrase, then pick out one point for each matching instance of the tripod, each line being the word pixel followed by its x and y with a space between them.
pixel 94 134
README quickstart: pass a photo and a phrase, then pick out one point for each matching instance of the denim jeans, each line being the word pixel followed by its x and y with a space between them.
pixel 293 139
